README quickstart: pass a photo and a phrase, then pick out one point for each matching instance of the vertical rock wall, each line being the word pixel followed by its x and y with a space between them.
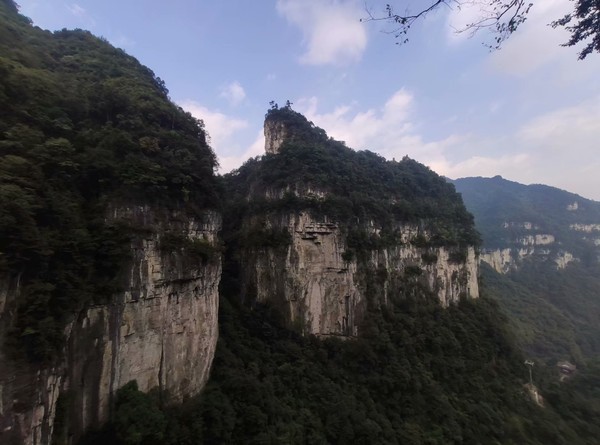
pixel 161 331
pixel 322 293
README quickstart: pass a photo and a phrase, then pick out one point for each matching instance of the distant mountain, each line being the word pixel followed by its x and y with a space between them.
pixel 542 245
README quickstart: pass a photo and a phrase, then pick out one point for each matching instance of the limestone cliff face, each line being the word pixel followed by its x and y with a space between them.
pixel 539 246
pixel 161 331
pixel 275 134
pixel 324 292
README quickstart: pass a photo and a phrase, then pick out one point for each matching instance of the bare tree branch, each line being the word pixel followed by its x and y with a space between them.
pixel 503 17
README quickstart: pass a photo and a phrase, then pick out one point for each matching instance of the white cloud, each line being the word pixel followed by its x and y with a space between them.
pixel 462 15
pixel 386 130
pixel 234 93
pixel 332 29
pixel 392 132
pixel 534 47
pixel 557 148
pixel 567 142
pixel 81 15
pixel 221 128
pixel 513 166
pixel 228 163
pixel 535 44
pixel 77 10
pixel 122 41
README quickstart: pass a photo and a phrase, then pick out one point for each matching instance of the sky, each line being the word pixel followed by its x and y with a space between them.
pixel 529 112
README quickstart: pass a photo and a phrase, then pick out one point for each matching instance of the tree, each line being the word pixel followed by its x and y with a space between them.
pixel 584 25
pixel 502 17
pixel 138 420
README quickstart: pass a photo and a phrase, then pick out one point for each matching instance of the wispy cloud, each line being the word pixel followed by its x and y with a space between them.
pixel 221 128
pixel 77 10
pixel 332 30
pixel 234 93
pixel 555 148
pixel 233 161
pixel 122 41
pixel 81 14
pixel 387 130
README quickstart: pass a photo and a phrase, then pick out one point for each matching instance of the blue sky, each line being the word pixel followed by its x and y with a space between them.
pixel 529 112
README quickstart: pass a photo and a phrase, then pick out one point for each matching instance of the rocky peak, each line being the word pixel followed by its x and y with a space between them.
pixel 275 134
pixel 284 124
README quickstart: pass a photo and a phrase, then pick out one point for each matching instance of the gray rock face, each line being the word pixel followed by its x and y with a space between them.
pixel 322 293
pixel 161 331
pixel 275 134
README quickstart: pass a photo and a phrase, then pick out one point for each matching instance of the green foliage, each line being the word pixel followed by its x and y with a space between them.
pixel 494 201
pixel 584 25
pixel 422 374
pixel 554 312
pixel 138 420
pixel 82 125
pixel 578 401
pixel 457 256
pixel 429 258
pixel 348 255
pixel 195 248
pixel 355 189
pixel 262 238
pixel 413 271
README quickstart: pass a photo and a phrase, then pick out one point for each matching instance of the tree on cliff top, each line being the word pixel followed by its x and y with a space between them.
pixel 503 17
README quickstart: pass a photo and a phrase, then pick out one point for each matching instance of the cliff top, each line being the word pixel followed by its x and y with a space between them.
pixel 357 187
pixel 286 125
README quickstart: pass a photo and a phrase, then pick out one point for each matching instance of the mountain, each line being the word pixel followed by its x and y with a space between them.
pixel 546 244
pixel 108 233
pixel 542 249
pixel 315 295
pixel 321 229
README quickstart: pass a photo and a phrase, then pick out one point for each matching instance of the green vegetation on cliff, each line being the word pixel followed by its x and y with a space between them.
pixel 83 126
pixel 554 312
pixel 421 374
pixel 494 201
pixel 315 173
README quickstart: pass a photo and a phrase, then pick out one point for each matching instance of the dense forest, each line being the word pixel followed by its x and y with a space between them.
pixel 418 374
pixel 421 375
pixel 496 200
pixel 318 174
pixel 84 126
pixel 554 312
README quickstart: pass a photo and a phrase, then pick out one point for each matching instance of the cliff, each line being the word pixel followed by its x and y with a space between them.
pixel 109 263
pixel 539 223
pixel 160 331
pixel 331 262
pixel 543 241
pixel 325 293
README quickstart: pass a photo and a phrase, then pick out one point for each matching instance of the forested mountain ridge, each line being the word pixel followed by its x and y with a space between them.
pixel 323 231
pixel 546 242
pixel 509 214
pixel 111 286
pixel 83 125
pixel 553 305
pixel 418 369
pixel 108 213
